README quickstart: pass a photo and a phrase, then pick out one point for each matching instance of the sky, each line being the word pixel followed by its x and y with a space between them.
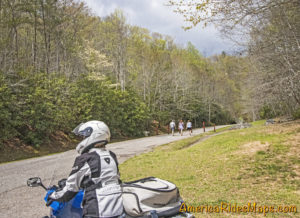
pixel 157 17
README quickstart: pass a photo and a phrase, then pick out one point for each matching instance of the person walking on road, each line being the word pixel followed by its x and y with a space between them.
pixel 180 127
pixel 172 127
pixel 189 127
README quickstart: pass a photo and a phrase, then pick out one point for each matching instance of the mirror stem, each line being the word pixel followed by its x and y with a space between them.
pixel 44 186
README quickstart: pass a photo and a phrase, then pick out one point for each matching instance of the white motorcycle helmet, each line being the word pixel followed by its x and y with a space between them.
pixel 94 132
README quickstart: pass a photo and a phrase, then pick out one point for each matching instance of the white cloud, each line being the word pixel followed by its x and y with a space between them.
pixel 155 16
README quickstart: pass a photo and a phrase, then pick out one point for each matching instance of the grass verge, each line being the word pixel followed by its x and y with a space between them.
pixel 260 164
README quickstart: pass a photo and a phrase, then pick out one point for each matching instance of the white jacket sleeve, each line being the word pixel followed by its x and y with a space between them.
pixel 80 170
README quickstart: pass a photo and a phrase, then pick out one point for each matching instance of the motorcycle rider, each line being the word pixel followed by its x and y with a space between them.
pixel 96 171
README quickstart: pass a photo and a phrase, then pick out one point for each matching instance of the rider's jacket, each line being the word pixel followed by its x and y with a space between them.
pixel 97 173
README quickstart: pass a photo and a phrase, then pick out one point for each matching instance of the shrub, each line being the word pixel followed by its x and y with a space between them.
pixel 296 114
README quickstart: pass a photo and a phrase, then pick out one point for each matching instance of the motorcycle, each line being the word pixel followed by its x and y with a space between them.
pixel 71 208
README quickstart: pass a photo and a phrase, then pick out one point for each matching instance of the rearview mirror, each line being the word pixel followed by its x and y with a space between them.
pixel 34 182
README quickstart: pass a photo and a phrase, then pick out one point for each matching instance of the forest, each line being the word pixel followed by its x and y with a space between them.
pixel 61 65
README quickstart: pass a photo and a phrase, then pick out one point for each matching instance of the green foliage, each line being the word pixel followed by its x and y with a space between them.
pixel 220 116
pixel 39 107
pixel 266 112
pixel 124 112
pixel 61 65
pixel 6 110
pixel 296 114
pixel 44 104
pixel 200 113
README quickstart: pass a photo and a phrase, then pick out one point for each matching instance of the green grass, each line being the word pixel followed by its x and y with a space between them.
pixel 258 122
pixel 222 169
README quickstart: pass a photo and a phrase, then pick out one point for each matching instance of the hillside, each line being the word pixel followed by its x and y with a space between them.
pixel 256 165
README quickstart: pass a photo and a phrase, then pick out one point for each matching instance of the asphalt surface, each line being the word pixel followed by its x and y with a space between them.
pixel 19 201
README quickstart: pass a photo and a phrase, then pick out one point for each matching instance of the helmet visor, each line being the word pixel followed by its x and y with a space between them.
pixel 83 133
pixel 76 130
pixel 86 132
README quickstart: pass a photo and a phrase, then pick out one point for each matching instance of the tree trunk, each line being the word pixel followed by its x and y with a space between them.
pixel 209 111
pixel 45 38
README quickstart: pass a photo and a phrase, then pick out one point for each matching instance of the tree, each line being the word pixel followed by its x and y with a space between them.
pixel 269 31
pixel 115 32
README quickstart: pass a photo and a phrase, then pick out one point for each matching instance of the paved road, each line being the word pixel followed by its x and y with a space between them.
pixel 19 201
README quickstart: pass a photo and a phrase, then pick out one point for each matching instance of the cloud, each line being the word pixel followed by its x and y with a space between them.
pixel 155 16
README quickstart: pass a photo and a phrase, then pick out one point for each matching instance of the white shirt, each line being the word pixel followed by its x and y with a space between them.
pixel 181 125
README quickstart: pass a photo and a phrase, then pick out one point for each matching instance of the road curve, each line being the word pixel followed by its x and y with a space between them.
pixel 19 201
